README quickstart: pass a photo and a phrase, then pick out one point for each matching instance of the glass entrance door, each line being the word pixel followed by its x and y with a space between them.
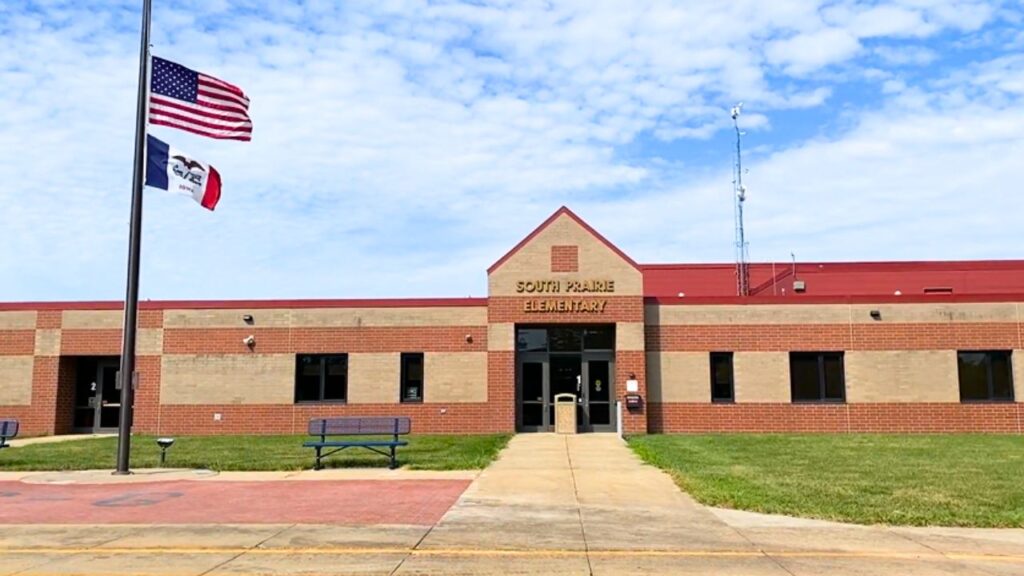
pixel 97 399
pixel 531 387
pixel 598 394
pixel 566 378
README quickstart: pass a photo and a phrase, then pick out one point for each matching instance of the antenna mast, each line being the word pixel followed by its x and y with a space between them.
pixel 742 265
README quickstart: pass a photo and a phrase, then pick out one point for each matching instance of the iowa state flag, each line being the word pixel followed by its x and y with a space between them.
pixel 171 169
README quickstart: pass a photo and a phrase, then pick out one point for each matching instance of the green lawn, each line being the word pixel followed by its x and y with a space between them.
pixel 224 453
pixel 947 480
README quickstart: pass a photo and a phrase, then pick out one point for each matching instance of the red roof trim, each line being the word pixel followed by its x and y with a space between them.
pixel 566 211
pixel 251 304
pixel 801 299
pixel 892 265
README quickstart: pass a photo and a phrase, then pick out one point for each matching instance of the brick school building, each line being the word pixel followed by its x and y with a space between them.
pixel 645 348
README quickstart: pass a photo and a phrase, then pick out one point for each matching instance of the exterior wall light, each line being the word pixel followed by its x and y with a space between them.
pixel 247 318
pixel 876 314
pixel 249 341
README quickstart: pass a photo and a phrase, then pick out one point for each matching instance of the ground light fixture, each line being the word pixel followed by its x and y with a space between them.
pixel 164 444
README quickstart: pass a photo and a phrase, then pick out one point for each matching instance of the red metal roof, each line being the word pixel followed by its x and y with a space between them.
pixel 837 280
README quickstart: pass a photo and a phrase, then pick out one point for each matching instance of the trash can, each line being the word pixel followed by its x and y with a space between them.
pixel 565 413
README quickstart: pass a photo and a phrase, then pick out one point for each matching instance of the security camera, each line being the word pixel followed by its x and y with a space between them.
pixel 249 341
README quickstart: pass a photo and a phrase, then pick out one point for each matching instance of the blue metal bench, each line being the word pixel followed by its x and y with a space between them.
pixel 8 430
pixel 357 426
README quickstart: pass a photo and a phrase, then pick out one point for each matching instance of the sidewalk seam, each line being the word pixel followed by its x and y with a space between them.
pixel 579 507
pixel 246 551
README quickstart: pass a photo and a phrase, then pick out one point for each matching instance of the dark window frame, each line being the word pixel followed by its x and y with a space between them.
pixel 403 377
pixel 728 356
pixel 322 359
pixel 822 378
pixel 989 377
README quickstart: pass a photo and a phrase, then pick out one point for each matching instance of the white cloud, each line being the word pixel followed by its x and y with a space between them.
pixel 401 147
pixel 808 52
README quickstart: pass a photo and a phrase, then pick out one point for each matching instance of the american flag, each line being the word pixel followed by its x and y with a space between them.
pixel 197 103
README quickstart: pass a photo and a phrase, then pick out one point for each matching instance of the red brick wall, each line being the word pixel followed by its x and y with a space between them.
pixel 895 418
pixel 324 340
pixel 64 410
pixel 83 342
pixel 501 389
pixel 565 258
pixel 17 342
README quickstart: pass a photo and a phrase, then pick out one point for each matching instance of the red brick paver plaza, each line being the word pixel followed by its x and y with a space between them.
pixel 421 502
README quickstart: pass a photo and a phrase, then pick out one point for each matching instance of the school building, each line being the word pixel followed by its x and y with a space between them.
pixel 646 348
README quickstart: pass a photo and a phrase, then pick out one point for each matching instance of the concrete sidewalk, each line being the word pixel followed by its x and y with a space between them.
pixel 549 505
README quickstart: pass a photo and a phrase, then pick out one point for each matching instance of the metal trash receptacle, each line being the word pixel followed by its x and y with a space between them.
pixel 565 413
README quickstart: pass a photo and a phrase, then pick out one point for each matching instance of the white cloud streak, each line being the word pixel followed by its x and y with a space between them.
pixel 400 147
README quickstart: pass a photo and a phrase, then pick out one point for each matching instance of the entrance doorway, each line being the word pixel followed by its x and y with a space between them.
pixel 97 397
pixel 577 360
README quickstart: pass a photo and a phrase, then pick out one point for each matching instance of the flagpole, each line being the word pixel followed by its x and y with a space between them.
pixel 131 300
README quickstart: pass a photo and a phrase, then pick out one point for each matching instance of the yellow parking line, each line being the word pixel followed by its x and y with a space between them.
pixel 471 552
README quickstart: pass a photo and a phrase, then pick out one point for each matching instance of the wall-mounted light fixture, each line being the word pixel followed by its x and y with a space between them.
pixel 876 314
pixel 469 338
pixel 247 318
pixel 249 341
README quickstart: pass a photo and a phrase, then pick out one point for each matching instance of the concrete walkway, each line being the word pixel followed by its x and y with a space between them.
pixel 19 442
pixel 595 508
pixel 549 505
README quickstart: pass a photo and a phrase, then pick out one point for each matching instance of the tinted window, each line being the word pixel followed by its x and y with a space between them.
pixel 602 338
pixel 721 377
pixel 412 377
pixel 532 340
pixel 817 376
pixel 565 339
pixel 320 377
pixel 985 376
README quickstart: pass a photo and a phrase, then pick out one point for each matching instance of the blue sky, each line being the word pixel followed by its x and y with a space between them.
pixel 401 147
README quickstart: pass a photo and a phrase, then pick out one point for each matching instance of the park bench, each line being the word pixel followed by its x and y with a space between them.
pixel 8 430
pixel 342 433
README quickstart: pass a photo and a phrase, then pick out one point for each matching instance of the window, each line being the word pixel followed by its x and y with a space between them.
pixel 412 377
pixel 321 377
pixel 985 376
pixel 817 376
pixel 721 377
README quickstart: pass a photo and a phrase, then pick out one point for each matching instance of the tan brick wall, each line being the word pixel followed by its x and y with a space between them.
pixel 47 342
pixel 596 262
pixel 937 313
pixel 328 317
pixel 17 320
pixel 719 314
pixel 235 379
pixel 373 378
pixel 93 319
pixel 455 377
pixel 678 377
pixel 150 342
pixel 629 336
pixel 902 376
pixel 16 380
pixel 501 337
pixel 761 376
